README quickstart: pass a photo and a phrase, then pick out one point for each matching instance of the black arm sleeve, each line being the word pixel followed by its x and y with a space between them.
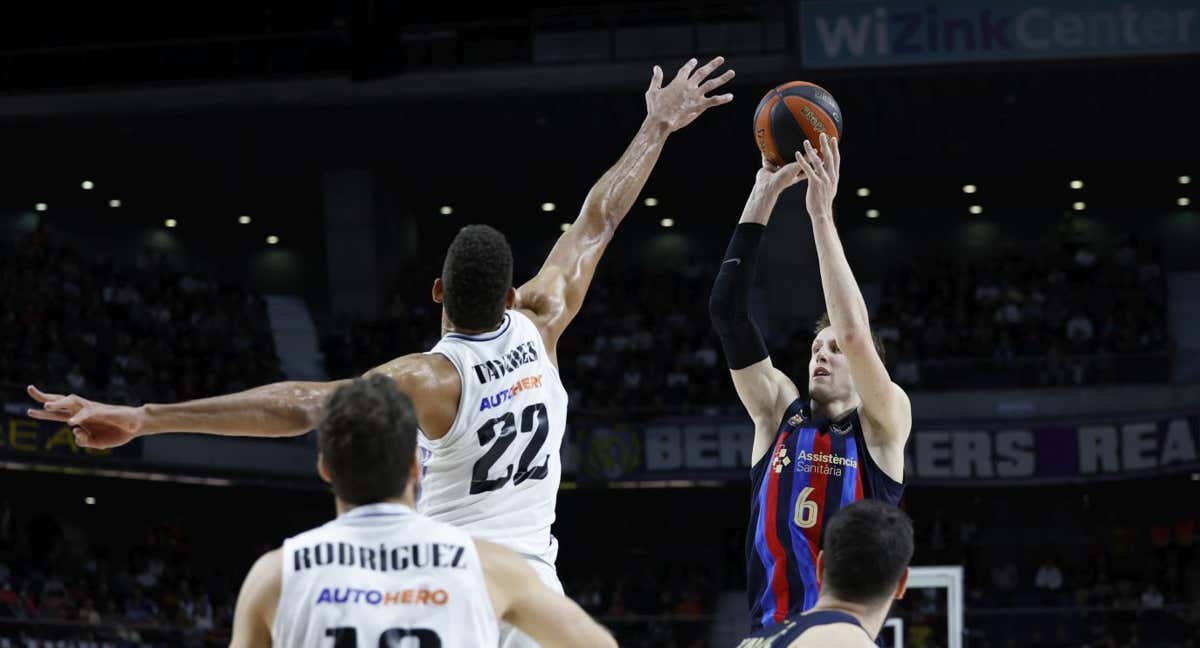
pixel 729 304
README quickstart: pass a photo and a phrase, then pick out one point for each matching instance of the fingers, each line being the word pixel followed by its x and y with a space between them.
pixel 828 157
pixel 804 164
pixel 815 162
pixel 80 416
pixel 48 415
pixel 718 100
pixel 837 155
pixel 41 397
pixel 713 84
pixel 686 71
pixel 708 68
pixel 83 438
pixel 656 77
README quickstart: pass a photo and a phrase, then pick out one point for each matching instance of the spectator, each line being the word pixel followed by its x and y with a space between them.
pixel 1049 581
pixel 1152 598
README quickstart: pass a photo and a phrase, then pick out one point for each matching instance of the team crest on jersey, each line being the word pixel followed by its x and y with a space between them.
pixel 795 420
pixel 781 460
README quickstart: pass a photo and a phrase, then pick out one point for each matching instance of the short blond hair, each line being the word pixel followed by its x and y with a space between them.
pixel 824 323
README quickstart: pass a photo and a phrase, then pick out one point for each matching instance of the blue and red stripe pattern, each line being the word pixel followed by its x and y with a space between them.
pixel 814 469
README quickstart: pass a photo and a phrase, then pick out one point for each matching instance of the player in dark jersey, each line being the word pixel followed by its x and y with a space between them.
pixel 863 568
pixel 812 455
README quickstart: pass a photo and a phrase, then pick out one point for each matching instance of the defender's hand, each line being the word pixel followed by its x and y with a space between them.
pixel 96 425
pixel 822 171
pixel 682 101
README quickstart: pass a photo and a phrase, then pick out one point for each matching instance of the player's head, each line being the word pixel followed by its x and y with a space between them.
pixel 867 548
pixel 476 283
pixel 367 440
pixel 828 372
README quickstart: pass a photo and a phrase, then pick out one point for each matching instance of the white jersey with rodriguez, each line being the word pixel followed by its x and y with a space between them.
pixel 380 575
pixel 497 470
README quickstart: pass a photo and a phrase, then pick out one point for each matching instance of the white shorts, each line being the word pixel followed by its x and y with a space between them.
pixel 510 637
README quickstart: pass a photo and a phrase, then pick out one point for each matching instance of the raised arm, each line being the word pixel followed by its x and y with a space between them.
pixel 554 296
pixel 885 410
pixel 280 409
pixel 256 603
pixel 520 598
pixel 765 391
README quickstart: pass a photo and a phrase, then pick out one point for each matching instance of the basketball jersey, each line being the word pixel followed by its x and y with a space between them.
pixel 380 574
pixel 814 469
pixel 496 472
pixel 783 634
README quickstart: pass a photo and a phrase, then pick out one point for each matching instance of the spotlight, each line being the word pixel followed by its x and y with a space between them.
pixel 446 210
pixel 970 188
pixel 975 209
pixel 564 227
pixel 1183 201
pixel 547 206
pixel 1185 179
pixel 40 206
pixel 1077 184
pixel 244 220
pixel 1079 206
pixel 114 203
pixel 89 500
pixel 667 222
pixel 272 239
pixel 863 192
pixel 88 185
pixel 651 202
pixel 171 222
pixel 872 213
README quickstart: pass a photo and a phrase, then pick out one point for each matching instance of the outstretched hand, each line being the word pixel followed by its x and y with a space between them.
pixel 822 171
pixel 96 425
pixel 683 99
pixel 774 179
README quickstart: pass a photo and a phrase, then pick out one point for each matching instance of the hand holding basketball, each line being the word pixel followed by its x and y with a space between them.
pixel 822 172
pixel 774 179
pixel 682 100
pixel 96 425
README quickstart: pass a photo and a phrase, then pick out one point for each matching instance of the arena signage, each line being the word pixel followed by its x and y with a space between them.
pixel 26 438
pixel 976 452
pixel 855 33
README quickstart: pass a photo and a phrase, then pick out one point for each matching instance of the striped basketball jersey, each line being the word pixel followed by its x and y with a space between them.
pixel 783 634
pixel 814 468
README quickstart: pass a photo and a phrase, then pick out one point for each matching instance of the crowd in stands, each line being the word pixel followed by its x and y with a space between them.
pixel 135 333
pixel 643 342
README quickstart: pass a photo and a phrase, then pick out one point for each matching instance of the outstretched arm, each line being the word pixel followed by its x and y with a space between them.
pixel 256 603
pixel 520 598
pixel 554 296
pixel 765 391
pixel 280 409
pixel 885 407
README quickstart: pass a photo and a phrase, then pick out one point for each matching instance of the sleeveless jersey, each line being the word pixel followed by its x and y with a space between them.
pixel 783 634
pixel 496 472
pixel 815 467
pixel 380 574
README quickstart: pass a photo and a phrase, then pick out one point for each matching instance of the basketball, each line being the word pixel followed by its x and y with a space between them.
pixel 791 113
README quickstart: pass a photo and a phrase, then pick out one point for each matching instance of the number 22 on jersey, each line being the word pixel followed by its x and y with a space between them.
pixel 501 432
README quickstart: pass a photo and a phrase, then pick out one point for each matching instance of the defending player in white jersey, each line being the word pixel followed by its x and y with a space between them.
pixel 381 573
pixel 489 402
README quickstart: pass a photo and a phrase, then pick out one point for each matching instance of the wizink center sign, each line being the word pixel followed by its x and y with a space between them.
pixel 852 33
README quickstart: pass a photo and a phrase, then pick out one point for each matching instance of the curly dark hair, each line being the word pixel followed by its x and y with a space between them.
pixel 367 437
pixel 476 277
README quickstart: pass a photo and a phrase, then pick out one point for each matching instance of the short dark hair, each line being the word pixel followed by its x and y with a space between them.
pixel 367 437
pixel 868 545
pixel 476 277
pixel 824 323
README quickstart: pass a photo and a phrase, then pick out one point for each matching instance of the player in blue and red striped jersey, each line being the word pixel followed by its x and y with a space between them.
pixel 812 455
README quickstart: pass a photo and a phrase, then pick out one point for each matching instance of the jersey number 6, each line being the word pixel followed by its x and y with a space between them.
pixel 806 510
pixel 532 417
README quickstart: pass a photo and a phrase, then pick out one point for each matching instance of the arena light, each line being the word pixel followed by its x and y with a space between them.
pixel 548 207
pixel 114 203
pixel 970 188
pixel 1183 201
pixel 1077 184
pixel 862 192
pixel 272 240
pixel 446 210
pixel 40 206
pixel 1079 206
pixel 88 185
pixel 564 227
pixel 975 209
pixel 1185 179
pixel 90 501
pixel 651 202
pixel 243 220
pixel 171 222
pixel 872 213
pixel 667 222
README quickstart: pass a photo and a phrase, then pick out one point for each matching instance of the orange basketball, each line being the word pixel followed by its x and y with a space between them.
pixel 791 113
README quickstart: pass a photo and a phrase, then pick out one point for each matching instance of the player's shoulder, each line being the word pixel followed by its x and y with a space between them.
pixel 420 371
pixel 843 635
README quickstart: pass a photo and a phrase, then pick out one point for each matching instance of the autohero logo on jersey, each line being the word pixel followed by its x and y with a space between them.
pixel 524 384
pixel 356 596
pixel 513 359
